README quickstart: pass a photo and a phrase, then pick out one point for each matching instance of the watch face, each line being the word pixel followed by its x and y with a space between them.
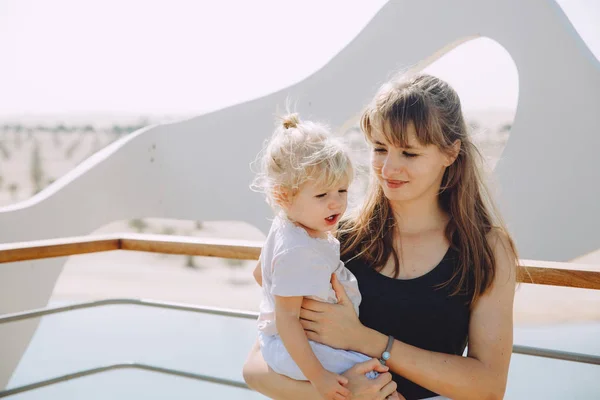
pixel 385 355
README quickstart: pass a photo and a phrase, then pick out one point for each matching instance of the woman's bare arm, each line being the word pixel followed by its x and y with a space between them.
pixel 263 379
pixel 481 375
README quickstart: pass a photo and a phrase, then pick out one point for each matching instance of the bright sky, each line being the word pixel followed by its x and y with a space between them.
pixel 185 56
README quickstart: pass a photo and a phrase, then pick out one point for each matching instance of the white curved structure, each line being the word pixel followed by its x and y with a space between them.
pixel 549 173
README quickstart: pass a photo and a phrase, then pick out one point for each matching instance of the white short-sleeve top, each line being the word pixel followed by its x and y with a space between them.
pixel 296 264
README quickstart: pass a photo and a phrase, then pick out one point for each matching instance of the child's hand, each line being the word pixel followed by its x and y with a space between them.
pixel 331 386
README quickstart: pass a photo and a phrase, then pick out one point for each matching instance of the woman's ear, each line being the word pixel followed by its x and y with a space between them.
pixel 453 152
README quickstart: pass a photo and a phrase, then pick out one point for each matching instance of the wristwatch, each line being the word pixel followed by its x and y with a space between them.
pixel 386 353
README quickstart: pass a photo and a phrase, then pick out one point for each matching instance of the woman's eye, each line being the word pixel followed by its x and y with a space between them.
pixel 410 155
pixel 379 150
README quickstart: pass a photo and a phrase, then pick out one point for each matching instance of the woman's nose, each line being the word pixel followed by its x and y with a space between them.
pixel 391 166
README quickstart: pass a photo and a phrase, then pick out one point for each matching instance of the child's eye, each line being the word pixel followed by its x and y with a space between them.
pixel 410 155
pixel 379 150
pixel 320 196
pixel 343 191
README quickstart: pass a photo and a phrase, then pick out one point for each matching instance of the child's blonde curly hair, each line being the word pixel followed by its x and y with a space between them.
pixel 298 152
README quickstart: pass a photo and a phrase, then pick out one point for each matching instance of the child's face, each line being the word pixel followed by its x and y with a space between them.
pixel 318 209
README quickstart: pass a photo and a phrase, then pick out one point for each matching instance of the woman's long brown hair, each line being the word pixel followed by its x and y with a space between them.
pixel 435 110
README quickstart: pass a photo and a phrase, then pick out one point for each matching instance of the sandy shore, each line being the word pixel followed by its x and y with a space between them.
pixel 229 284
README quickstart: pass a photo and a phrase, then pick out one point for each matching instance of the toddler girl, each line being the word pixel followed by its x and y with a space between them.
pixel 305 175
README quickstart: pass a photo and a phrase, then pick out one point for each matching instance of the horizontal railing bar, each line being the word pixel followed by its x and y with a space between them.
pixel 185 245
pixel 208 247
pixel 574 278
pixel 536 272
pixel 20 316
pixel 93 371
pixel 38 249
pixel 526 350
pixel 557 354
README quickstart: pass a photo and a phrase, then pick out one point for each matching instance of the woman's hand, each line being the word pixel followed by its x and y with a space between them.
pixel 363 388
pixel 335 325
pixel 260 377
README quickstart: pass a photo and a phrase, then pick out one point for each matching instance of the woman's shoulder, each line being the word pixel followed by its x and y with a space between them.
pixel 505 254
pixel 500 242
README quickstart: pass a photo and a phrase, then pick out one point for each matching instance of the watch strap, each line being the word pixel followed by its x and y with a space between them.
pixel 386 353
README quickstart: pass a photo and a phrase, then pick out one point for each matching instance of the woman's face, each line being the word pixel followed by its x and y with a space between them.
pixel 408 173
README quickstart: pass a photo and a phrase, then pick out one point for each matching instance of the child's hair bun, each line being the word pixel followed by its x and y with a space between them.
pixel 290 121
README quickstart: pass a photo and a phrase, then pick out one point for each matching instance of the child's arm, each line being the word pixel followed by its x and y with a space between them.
pixel 258 274
pixel 287 311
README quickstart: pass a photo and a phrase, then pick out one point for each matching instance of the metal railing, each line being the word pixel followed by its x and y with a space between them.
pixel 569 275
pixel 97 370
pixel 14 317
pixel 21 316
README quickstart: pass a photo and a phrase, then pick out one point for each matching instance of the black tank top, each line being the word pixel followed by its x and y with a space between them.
pixel 415 312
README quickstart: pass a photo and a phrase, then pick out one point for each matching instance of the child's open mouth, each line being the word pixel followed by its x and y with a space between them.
pixel 332 219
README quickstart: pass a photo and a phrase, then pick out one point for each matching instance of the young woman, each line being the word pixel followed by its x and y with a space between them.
pixel 434 264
